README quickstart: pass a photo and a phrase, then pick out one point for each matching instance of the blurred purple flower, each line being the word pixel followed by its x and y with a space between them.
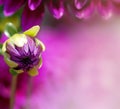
pixel 84 8
pixel 34 9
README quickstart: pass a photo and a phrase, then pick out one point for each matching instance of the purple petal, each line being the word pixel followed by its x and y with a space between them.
pixel 26 48
pixel 105 8
pixel 33 4
pixel 37 51
pixel 12 51
pixel 82 9
pixel 21 50
pixel 56 8
pixel 31 44
pixel 2 1
pixel 11 6
pixel 15 58
pixel 36 62
pixel 31 18
pixel 79 4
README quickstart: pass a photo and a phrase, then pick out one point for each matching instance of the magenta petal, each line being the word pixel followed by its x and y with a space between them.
pixel 82 8
pixel 79 4
pixel 11 6
pixel 3 38
pixel 56 8
pixel 33 4
pixel 105 8
pixel 1 2
pixel 31 18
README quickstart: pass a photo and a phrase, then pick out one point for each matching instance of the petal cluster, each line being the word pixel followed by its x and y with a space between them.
pixel 22 52
pixel 34 9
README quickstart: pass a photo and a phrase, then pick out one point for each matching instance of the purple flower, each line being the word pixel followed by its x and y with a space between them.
pixel 84 8
pixel 22 52
pixel 34 9
pixel 27 56
pixel 105 8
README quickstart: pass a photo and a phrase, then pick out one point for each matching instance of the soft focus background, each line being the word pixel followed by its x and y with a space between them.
pixel 81 66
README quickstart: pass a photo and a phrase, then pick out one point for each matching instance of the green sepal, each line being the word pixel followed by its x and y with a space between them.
pixel 33 31
pixel 13 72
pixel 10 30
pixel 1 48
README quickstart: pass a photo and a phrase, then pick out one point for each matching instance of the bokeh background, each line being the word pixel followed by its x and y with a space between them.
pixel 81 66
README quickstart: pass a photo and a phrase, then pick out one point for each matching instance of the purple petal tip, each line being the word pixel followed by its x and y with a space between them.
pixel 6 13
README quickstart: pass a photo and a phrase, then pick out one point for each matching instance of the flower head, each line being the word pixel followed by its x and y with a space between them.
pixel 22 52
pixel 34 9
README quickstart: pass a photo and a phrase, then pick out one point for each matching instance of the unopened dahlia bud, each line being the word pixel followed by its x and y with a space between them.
pixel 22 52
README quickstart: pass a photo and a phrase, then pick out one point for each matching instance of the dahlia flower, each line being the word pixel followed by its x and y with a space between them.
pixel 34 9
pixel 22 52
pixel 84 8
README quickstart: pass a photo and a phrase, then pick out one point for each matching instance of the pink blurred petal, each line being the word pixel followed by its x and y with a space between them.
pixel 117 1
pixel 116 6
pixel 82 9
pixel 80 3
pixel 11 6
pixel 56 8
pixel 33 4
pixel 105 8
pixel 31 18
pixel 83 69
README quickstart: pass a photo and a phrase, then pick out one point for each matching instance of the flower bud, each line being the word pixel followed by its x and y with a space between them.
pixel 22 52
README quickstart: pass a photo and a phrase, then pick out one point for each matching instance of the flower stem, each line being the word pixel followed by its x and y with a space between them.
pixel 29 91
pixel 13 88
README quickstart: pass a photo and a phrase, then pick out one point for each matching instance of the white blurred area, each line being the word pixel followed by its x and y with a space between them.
pixel 82 71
